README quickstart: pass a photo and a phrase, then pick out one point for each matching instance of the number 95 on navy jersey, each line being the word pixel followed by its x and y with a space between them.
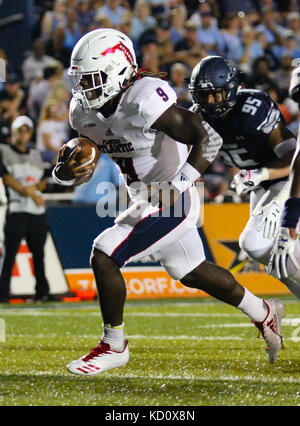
pixel 245 130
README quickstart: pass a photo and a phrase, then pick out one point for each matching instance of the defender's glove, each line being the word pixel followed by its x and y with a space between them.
pixel 270 219
pixel 246 180
pixel 283 250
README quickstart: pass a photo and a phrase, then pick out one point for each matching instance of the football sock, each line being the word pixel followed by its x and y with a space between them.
pixel 114 337
pixel 253 306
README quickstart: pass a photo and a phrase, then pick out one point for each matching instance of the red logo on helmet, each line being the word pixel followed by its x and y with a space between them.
pixel 123 48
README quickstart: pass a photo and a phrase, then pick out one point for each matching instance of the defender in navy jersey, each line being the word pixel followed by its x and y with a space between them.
pixel 256 140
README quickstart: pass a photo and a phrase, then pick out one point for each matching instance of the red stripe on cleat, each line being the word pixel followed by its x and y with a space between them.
pixel 93 366
pixel 81 369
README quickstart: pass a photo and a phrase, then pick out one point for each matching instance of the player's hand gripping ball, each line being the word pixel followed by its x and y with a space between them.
pixel 77 160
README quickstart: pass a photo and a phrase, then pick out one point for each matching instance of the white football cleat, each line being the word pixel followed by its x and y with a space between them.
pixel 270 328
pixel 101 358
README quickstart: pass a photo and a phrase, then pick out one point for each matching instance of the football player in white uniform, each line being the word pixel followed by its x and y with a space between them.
pixel 257 141
pixel 135 120
pixel 284 259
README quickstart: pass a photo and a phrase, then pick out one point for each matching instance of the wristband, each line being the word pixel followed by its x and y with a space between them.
pixel 185 177
pixel 291 213
pixel 59 181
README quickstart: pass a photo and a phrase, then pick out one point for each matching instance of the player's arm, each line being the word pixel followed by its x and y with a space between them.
pixel 12 182
pixel 185 126
pixel 283 143
pixel 29 191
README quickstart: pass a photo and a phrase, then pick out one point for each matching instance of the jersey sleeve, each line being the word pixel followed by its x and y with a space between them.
pixel 155 98
pixel 214 143
pixel 259 115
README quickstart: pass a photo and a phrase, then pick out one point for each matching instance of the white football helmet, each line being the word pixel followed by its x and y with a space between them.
pixel 102 63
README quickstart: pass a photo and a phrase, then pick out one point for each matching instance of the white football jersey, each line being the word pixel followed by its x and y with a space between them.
pixel 141 153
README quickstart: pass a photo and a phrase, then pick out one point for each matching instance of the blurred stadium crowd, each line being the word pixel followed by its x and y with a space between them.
pixel 261 36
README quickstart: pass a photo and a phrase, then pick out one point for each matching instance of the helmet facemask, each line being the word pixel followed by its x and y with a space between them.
pixel 91 88
pixel 224 99
pixel 211 101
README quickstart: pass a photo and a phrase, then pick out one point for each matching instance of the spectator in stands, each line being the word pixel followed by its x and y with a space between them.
pixel 85 15
pixel 293 23
pixel 26 216
pixel 66 36
pixel 52 131
pixel 60 93
pixel 12 98
pixel 271 29
pixel 204 7
pixel 39 90
pixel 177 19
pixel 209 35
pixel 178 74
pixel 288 47
pixel 160 35
pixel 259 45
pixel 142 20
pixel 190 39
pixel 53 18
pixel 261 77
pixel 148 59
pixel 100 21
pixel 113 11
pixel 189 50
pixel 274 95
pixel 231 40
pixel 126 26
pixel 216 181
pixel 7 70
pixel 283 74
pixel 36 62
pixel 160 8
pixel 250 48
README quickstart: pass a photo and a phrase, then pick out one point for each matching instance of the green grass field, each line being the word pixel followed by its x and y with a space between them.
pixel 182 353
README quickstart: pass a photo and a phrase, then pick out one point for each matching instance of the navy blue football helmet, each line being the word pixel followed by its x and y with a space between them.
pixel 217 77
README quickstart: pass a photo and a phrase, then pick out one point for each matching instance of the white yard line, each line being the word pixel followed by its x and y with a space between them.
pixel 138 336
pixel 130 336
pixel 189 378
pixel 286 321
pixel 35 313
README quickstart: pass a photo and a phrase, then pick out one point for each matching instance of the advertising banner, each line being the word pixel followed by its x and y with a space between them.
pixel 74 227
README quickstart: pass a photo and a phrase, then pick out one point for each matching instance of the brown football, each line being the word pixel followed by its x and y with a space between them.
pixel 89 151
